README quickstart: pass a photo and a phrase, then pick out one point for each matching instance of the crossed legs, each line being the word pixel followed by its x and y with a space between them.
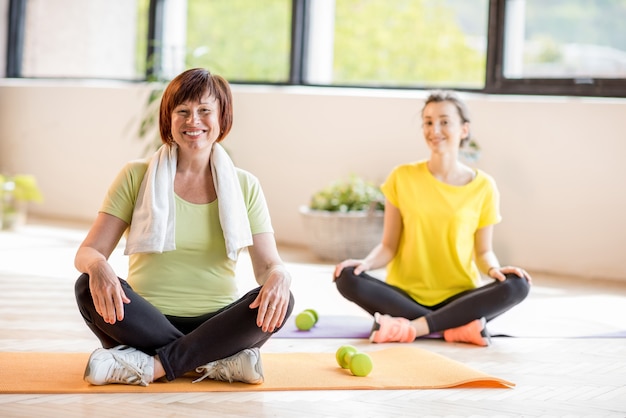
pixel 489 301
pixel 214 336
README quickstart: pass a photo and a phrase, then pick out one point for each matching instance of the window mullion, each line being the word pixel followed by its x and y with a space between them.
pixel 15 41
pixel 155 39
pixel 299 41
pixel 495 46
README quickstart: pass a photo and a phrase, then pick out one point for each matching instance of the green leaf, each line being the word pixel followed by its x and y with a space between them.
pixel 23 186
pixel 351 194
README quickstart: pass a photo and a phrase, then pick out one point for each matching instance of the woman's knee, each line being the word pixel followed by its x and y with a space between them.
pixel 518 287
pixel 292 302
pixel 249 297
pixel 83 297
pixel 345 282
pixel 81 288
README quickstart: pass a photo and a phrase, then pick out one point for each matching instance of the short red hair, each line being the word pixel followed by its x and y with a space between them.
pixel 193 84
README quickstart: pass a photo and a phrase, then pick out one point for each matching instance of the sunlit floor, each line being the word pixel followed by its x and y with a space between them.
pixel 567 356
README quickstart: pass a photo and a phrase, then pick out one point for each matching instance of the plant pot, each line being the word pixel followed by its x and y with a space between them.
pixel 15 194
pixel 12 210
pixel 336 236
pixel 13 218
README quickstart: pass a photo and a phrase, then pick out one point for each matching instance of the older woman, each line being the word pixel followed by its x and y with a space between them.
pixel 189 212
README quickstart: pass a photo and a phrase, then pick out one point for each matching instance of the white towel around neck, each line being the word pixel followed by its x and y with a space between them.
pixel 153 225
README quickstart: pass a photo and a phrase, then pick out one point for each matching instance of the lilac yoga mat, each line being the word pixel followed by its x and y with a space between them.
pixel 330 326
pixel 333 326
pixel 350 326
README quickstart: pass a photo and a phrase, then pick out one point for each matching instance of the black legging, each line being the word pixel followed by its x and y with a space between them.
pixel 489 301
pixel 182 344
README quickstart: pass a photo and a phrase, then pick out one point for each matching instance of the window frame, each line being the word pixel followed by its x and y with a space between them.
pixel 495 81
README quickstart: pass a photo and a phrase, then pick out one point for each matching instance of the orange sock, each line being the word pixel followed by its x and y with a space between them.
pixel 471 333
pixel 390 329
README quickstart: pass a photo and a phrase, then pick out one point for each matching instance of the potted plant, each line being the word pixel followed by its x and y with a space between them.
pixel 344 219
pixel 15 193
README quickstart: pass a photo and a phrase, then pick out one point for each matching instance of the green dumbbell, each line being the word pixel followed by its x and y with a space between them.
pixel 306 319
pixel 348 357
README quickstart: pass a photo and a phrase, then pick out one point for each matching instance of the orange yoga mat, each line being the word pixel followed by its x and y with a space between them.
pixel 394 368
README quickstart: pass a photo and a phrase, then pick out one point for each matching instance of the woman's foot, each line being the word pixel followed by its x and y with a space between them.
pixel 245 366
pixel 121 364
pixel 474 332
pixel 391 329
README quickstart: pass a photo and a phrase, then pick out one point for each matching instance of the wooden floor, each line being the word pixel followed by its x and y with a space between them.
pixel 555 373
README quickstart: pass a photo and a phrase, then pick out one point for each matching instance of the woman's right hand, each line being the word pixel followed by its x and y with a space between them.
pixel 359 266
pixel 91 258
pixel 107 293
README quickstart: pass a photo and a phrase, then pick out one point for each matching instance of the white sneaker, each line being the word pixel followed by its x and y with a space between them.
pixel 121 364
pixel 245 366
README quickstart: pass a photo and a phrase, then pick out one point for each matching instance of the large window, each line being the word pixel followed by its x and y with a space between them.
pixel 564 47
pixel 240 39
pixel 565 39
pixel 401 43
pixel 81 39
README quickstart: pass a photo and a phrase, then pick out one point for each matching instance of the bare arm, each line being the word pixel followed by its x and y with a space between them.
pixel 384 252
pixel 486 259
pixel 271 274
pixel 92 258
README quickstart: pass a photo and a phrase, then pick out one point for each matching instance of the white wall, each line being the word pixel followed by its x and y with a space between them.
pixel 558 161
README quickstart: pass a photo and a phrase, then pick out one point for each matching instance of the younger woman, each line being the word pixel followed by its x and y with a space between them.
pixel 437 238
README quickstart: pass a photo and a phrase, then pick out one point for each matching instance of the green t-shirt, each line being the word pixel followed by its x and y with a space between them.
pixel 197 277
pixel 435 257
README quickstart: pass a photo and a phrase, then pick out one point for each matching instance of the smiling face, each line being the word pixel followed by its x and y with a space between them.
pixel 443 127
pixel 188 93
pixel 196 123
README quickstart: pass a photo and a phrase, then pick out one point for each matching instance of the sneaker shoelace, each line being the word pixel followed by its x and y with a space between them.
pixel 220 370
pixel 128 373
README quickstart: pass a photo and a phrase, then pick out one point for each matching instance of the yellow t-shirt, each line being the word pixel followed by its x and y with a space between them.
pixel 435 258
pixel 197 277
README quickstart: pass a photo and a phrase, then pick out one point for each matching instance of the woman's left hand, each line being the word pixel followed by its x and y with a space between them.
pixel 273 299
pixel 498 273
